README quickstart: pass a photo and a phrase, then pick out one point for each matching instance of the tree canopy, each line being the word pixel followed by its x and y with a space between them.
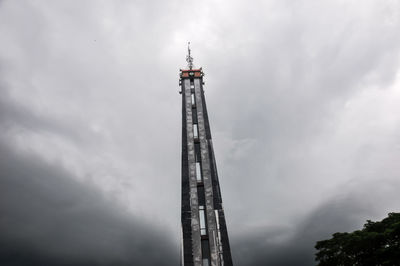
pixel 378 243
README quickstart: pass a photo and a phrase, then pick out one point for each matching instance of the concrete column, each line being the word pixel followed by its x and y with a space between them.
pixel 208 187
pixel 196 238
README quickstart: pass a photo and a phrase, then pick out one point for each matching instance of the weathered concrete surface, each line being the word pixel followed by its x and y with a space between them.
pixel 208 186
pixel 216 226
pixel 196 238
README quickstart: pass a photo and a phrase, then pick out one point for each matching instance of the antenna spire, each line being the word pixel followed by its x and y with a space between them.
pixel 189 58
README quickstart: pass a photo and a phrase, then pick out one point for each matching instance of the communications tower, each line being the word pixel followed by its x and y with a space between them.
pixel 205 239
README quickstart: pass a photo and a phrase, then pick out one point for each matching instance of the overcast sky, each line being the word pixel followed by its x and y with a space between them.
pixel 303 100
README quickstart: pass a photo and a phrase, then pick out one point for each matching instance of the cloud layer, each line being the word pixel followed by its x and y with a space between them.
pixel 303 104
pixel 50 219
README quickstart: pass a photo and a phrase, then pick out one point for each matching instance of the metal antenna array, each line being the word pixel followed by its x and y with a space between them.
pixel 189 58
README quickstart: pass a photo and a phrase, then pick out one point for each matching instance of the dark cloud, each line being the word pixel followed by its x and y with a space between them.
pixel 47 218
pixel 303 104
pixel 281 246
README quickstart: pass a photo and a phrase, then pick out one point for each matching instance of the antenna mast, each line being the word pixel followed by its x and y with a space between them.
pixel 189 58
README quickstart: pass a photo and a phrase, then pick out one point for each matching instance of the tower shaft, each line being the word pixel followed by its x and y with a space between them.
pixel 205 237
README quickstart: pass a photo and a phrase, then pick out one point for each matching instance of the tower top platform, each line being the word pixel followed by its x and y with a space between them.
pixel 190 73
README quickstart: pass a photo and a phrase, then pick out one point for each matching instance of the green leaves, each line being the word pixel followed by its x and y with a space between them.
pixel 378 243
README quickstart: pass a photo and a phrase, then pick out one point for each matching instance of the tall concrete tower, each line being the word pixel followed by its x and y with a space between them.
pixel 205 239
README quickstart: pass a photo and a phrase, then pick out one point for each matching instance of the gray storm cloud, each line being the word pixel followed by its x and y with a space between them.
pixel 49 219
pixel 303 105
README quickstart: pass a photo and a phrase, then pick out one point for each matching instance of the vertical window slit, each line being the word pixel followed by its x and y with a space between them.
pixel 199 178
pixel 195 131
pixel 203 224
pixel 193 100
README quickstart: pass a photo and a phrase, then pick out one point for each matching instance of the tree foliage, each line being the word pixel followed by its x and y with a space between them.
pixel 378 244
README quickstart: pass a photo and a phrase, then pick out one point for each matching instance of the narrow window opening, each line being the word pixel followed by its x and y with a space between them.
pixel 219 243
pixel 199 178
pixel 203 226
pixel 195 131
pixel 193 100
